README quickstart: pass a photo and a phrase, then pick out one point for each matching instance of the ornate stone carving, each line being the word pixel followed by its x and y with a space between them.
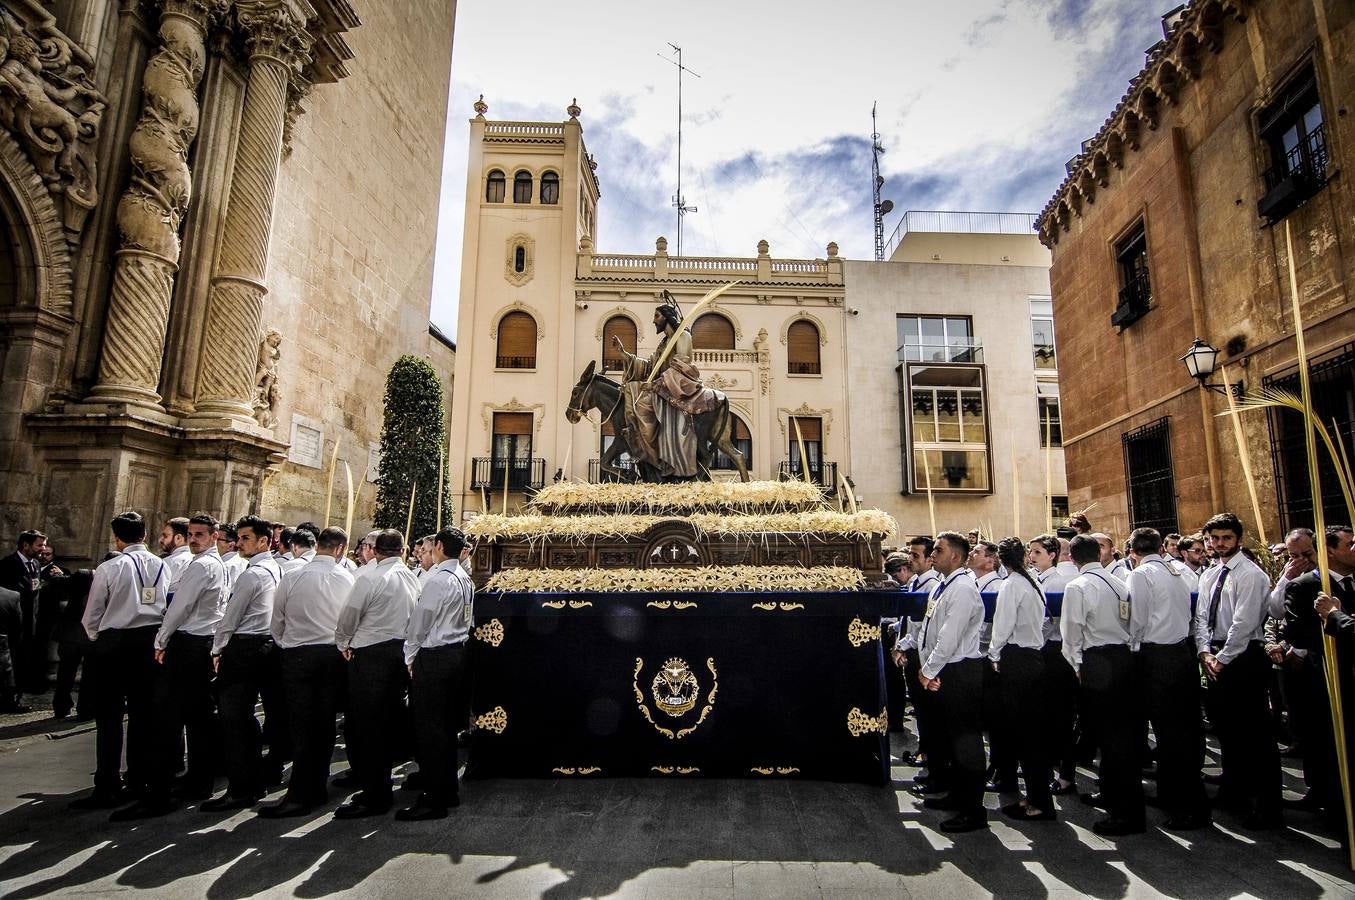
pixel 50 105
pixel 612 313
pixel 153 205
pixel 510 263
pixel 266 379
pixel 516 306
pixel 804 317
pixel 487 411
pixel 803 411
pixel 297 92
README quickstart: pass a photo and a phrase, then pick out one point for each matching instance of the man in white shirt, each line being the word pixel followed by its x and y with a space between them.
pixel 126 605
pixel 1302 553
pixel 1061 689
pixel 174 548
pixel 1097 621
pixel 367 549
pixel 435 653
pixel 371 636
pixel 241 654
pixel 183 647
pixel 1229 631
pixel 231 561
pixel 1168 680
pixel 423 553
pixel 303 551
pixel 924 578
pixel 306 610
pixel 982 564
pixel 952 667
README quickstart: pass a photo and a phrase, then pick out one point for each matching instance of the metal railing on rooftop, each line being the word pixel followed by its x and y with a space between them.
pixel 946 222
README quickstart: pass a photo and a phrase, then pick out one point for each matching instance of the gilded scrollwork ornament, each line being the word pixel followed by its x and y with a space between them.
pixel 490 633
pixel 496 720
pixel 859 633
pixel 675 690
pixel 859 723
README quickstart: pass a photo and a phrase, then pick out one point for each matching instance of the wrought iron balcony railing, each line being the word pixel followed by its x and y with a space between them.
pixel 515 362
pixel 1135 300
pixel 824 474
pixel 597 476
pixel 1300 174
pixel 521 474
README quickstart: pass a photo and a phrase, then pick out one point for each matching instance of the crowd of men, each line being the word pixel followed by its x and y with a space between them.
pixel 1089 649
pixel 184 646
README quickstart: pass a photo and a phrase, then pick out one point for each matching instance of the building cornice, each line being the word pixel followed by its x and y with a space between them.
pixel 1172 63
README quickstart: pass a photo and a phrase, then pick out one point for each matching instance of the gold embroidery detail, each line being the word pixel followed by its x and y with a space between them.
pixel 671 734
pixel 779 770
pixel 858 723
pixel 561 604
pixel 766 606
pixel 859 632
pixel 660 604
pixel 787 770
pixel 491 633
pixel 757 770
pixel 675 688
pixel 675 770
pixel 579 604
pixel 784 606
pixel 553 604
pixel 582 770
pixel 496 720
pixel 683 604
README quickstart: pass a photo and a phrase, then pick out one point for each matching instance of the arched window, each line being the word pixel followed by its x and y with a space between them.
pixel 517 342
pixel 621 327
pixel 743 442
pixel 522 187
pixel 712 332
pixel 550 188
pixel 519 259
pixel 802 339
pixel 494 188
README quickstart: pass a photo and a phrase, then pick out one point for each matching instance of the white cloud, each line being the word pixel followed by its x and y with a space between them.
pixel 980 104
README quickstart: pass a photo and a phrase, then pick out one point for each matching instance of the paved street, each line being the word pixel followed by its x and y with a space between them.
pixel 645 838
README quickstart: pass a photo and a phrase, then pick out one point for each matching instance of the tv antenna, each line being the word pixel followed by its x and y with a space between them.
pixel 881 207
pixel 679 201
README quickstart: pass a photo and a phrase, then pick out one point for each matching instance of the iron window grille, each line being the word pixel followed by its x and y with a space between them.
pixel 1149 476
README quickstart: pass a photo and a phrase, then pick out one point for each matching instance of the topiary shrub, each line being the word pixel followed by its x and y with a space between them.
pixel 413 440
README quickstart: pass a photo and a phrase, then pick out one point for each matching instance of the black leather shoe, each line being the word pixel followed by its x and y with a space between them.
pixel 420 813
pixel 354 810
pixel 1187 823
pixel 1113 827
pixel 143 809
pixel 1059 789
pixel 963 823
pixel 99 800
pixel 227 803
pixel 287 809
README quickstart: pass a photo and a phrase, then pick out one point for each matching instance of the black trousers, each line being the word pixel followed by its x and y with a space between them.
pixel 1109 708
pixel 312 679
pixel 1020 685
pixel 277 731
pixel 128 678
pixel 185 699
pixel 1169 691
pixel 437 694
pixel 73 657
pixel 1001 728
pixel 376 720
pixel 961 706
pixel 9 685
pixel 244 669
pixel 1251 761
pixel 1061 696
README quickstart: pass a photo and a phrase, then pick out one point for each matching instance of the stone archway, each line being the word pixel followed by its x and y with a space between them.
pixel 42 258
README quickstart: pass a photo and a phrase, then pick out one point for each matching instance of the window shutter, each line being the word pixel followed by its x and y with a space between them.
pixel 803 341
pixel 741 432
pixel 811 429
pixel 517 341
pixel 512 423
pixel 624 328
pixel 712 332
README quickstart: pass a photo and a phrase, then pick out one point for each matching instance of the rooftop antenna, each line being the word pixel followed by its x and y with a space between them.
pixel 680 202
pixel 881 207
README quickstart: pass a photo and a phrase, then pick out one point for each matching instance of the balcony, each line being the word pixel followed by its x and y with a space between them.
pixel 515 362
pixel 597 476
pixel 521 474
pixel 953 350
pixel 804 368
pixel 1135 300
pixel 945 222
pixel 824 474
pixel 1300 175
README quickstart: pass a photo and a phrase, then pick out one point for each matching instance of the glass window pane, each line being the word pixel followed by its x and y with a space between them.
pixel 1312 119
pixel 1042 308
pixel 957 328
pixel 924 407
pixel 973 418
pixel 948 416
pixel 951 470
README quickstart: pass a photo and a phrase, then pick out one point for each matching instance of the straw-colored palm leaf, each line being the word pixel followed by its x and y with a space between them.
pixel 865 524
pixel 771 579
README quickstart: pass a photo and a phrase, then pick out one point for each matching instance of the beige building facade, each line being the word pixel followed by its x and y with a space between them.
pixel 539 302
pixel 954 376
pixel 210 276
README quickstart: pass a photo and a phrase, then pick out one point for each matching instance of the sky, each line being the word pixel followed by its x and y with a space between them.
pixel 980 103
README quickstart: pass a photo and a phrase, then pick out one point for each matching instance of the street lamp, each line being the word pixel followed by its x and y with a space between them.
pixel 1200 360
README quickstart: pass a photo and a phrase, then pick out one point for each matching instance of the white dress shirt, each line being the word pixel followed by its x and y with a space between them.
pixel 1018 618
pixel 296 563
pixel 1122 567
pixel 199 599
pixel 1091 613
pixel 445 611
pixel 175 562
pixel 379 607
pixel 1275 599
pixel 1241 616
pixel 1163 595
pixel 307 603
pixel 1192 580
pixel 250 608
pixel 950 632
pixel 909 633
pixel 349 564
pixel 115 594
pixel 234 564
pixel 1052 581
pixel 990 583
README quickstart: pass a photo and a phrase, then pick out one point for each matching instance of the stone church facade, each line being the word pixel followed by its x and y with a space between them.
pixel 219 219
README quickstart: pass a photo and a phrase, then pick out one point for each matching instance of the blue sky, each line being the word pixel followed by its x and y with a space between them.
pixel 980 104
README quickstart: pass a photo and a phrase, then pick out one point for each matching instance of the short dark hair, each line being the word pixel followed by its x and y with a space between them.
pixel 179 525
pixel 303 538
pixel 285 539
pixel 1187 542
pixel 257 524
pixel 1080 523
pixel 332 538
pixel 1173 536
pixel 129 527
pixel 1067 532
pixel 987 547
pixel 311 527
pixel 1050 544
pixel 1225 521
pixel 28 537
pixel 203 519
pixel 389 542
pixel 1300 532
pixel 1085 549
pixel 1334 533
pixel 453 541
pixel 1144 541
pixel 955 541
pixel 228 530
pixel 895 562
pixel 926 541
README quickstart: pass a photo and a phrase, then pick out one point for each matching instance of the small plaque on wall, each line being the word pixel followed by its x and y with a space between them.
pixel 308 442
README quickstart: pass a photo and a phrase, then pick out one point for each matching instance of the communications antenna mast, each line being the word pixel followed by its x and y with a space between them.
pixel 880 207
pixel 679 201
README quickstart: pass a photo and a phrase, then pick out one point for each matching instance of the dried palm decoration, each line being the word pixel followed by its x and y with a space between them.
pixel 864 525
pixel 672 499
pixel 723 579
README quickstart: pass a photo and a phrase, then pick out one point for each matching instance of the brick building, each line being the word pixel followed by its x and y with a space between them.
pixel 1171 226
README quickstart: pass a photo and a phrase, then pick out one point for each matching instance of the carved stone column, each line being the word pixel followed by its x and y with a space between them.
pixel 278 47
pixel 152 206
